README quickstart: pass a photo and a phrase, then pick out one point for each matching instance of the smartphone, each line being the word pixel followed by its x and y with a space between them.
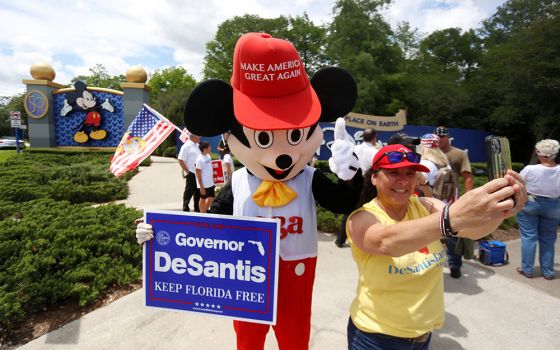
pixel 498 156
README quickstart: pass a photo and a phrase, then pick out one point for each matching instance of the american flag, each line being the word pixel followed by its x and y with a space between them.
pixel 145 133
pixel 184 135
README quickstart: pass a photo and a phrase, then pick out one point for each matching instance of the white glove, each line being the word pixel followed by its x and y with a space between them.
pixel 107 106
pixel 344 163
pixel 144 233
pixel 66 108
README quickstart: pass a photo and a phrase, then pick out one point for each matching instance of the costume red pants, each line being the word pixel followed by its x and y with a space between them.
pixel 293 321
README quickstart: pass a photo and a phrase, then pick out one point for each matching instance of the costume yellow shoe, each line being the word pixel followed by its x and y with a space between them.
pixel 98 134
pixel 80 137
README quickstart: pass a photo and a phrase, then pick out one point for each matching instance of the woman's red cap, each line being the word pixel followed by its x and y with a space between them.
pixel 380 161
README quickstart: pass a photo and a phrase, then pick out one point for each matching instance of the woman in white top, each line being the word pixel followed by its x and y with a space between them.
pixel 538 221
pixel 204 177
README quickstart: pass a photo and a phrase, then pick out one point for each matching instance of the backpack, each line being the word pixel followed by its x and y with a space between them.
pixel 446 186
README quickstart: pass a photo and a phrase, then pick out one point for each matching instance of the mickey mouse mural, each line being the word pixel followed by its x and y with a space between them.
pixel 84 101
pixel 273 111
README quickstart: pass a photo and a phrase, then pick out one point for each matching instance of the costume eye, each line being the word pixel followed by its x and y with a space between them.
pixel 264 139
pixel 295 136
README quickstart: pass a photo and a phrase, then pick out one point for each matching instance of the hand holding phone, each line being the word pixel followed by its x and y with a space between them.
pixel 498 156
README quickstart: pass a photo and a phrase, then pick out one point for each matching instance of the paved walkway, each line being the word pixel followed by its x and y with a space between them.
pixel 488 308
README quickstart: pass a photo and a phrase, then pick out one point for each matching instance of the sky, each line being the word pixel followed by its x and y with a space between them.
pixel 73 35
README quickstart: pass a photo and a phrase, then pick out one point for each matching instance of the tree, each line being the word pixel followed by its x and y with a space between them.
pixel 362 42
pixel 440 74
pixel 517 86
pixel 451 50
pixel 170 89
pixel 219 51
pixel 309 40
pixel 522 83
pixel 407 39
pixel 99 77
pixel 306 37
pixel 514 16
pixel 7 105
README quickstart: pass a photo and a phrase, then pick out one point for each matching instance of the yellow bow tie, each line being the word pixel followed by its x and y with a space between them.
pixel 273 194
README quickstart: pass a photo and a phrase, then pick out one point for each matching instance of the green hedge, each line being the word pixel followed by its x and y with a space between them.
pixel 77 150
pixel 77 178
pixel 55 247
pixel 327 221
pixel 170 151
pixel 53 251
pixel 481 169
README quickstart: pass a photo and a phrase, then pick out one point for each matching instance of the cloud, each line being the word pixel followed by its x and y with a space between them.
pixel 73 35
pixel 432 15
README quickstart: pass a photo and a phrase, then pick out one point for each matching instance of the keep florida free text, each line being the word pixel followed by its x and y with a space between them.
pixel 195 265
pixel 212 292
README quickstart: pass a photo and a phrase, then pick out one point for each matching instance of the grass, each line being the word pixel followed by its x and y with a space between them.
pixel 6 153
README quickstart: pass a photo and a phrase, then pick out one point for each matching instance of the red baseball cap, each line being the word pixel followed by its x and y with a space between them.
pixel 380 161
pixel 271 90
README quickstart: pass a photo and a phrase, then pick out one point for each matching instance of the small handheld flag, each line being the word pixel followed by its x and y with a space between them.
pixel 184 136
pixel 146 132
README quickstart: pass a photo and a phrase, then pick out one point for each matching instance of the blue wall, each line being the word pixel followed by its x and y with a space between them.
pixel 466 139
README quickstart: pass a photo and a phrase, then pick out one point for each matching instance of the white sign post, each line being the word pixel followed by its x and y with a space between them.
pixel 15 120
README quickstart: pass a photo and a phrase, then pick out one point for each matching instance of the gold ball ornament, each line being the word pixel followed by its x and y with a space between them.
pixel 136 74
pixel 42 71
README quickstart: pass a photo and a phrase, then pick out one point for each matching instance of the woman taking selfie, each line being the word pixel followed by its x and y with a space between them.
pixel 395 240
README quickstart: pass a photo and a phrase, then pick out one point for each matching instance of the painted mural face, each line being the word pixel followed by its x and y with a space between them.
pixel 276 155
pixel 86 101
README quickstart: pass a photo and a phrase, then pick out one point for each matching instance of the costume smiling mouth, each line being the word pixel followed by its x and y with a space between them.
pixel 278 174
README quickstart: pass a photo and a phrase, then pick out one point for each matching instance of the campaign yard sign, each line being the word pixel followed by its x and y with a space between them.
pixel 212 264
pixel 218 172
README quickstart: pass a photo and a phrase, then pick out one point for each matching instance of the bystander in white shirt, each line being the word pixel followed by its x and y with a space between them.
pixel 188 154
pixel 204 163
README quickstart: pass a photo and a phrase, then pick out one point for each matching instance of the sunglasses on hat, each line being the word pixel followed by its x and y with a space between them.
pixel 397 157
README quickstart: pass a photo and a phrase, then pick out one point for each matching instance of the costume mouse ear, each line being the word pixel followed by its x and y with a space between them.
pixel 209 108
pixel 337 92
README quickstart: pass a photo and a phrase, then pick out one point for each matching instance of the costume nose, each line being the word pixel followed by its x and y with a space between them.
pixel 284 161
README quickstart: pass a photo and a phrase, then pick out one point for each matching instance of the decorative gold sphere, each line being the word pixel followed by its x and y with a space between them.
pixel 136 74
pixel 42 71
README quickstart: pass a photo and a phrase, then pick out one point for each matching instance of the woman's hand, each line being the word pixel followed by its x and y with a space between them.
pixel 520 197
pixel 482 210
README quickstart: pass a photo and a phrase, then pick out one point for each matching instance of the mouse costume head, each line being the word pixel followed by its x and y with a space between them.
pixel 271 107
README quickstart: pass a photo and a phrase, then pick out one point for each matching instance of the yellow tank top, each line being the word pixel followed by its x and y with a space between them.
pixel 401 296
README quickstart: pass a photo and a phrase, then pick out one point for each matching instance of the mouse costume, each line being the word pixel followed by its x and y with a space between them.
pixel 272 110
